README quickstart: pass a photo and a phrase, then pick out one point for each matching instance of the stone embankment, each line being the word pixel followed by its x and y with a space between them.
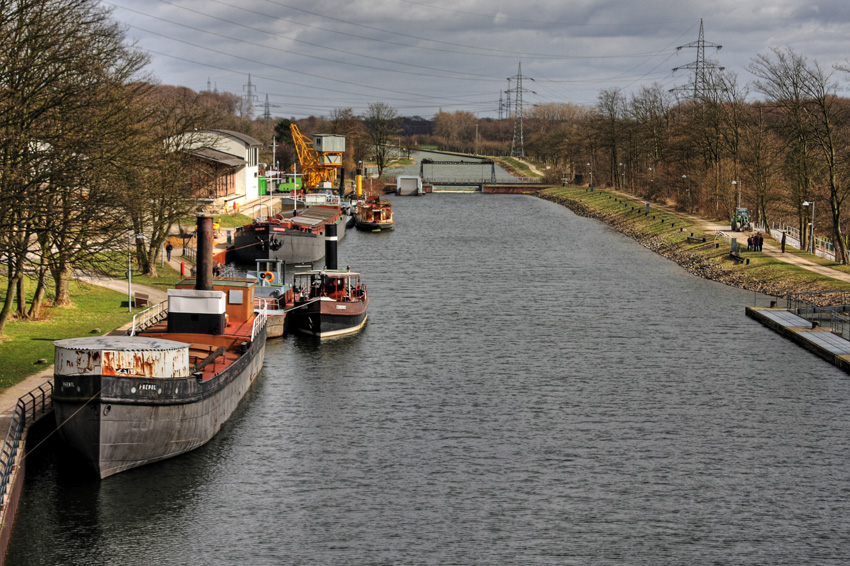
pixel 692 262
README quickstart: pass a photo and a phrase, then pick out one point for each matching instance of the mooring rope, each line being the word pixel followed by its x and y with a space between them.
pixel 58 426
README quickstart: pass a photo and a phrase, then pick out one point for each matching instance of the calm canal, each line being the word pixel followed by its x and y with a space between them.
pixel 531 388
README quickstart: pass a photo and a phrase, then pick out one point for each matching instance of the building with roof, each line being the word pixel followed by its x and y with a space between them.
pixel 229 175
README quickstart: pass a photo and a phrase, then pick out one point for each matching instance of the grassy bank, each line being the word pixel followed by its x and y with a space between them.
pixel 95 310
pixel 680 238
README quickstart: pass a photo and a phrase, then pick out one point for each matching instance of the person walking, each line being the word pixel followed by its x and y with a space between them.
pixel 168 248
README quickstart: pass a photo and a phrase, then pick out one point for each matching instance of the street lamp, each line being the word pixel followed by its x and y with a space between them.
pixel 591 176
pixel 736 183
pixel 623 176
pixel 812 238
pixel 130 268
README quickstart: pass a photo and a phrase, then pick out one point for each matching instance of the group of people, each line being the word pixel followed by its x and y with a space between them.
pixel 754 242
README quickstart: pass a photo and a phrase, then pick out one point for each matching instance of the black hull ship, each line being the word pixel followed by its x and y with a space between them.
pixel 328 302
pixel 126 401
pixel 292 239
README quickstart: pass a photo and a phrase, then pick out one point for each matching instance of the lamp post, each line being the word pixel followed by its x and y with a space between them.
pixel 812 238
pixel 685 186
pixel 623 176
pixel 738 185
pixel 591 176
pixel 130 268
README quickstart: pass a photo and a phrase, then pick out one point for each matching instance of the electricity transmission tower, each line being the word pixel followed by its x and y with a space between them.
pixel 250 97
pixel 267 109
pixel 517 148
pixel 701 67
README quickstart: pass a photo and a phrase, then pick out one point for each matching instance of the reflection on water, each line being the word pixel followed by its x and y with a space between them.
pixel 531 387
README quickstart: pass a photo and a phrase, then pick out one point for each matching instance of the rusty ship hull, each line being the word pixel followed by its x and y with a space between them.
pixel 116 423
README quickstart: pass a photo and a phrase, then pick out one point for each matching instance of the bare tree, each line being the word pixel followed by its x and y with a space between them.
pixel 381 121
pixel 160 185
pixel 64 68
pixel 817 125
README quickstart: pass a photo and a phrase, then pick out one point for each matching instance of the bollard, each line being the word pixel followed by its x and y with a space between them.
pixel 182 269
pixel 716 246
pixel 773 304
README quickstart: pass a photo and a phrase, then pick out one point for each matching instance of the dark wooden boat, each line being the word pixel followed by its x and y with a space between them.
pixel 328 302
pixel 374 214
pixel 169 387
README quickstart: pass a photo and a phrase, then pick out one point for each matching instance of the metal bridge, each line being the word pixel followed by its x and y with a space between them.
pixel 458 182
pixel 469 181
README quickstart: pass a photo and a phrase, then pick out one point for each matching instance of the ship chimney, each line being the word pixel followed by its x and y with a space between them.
pixel 330 246
pixel 204 268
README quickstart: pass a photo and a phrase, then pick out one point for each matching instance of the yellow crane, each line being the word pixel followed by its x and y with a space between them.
pixel 319 164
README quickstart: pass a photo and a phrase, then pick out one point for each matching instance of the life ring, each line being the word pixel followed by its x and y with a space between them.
pixel 267 276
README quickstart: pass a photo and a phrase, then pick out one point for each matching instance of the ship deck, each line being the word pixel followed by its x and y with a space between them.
pixel 201 346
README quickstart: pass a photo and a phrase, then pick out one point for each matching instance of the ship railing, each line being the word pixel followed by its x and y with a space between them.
pixel 148 317
pixel 265 303
pixel 29 409
pixel 317 198
pixel 259 322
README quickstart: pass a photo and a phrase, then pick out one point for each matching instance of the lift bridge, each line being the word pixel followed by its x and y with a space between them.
pixel 466 181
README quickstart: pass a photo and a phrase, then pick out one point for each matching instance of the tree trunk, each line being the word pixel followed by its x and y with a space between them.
pixel 7 305
pixel 21 298
pixel 38 296
pixel 62 276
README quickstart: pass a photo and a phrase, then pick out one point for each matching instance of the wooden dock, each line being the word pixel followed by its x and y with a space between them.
pixel 819 341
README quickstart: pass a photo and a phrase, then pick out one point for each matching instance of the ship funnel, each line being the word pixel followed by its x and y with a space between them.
pixel 330 246
pixel 204 278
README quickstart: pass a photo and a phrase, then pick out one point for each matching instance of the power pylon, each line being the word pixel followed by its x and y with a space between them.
pixel 517 148
pixel 250 97
pixel 267 109
pixel 700 86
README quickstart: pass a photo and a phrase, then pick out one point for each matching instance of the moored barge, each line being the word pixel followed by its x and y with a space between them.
pixel 126 401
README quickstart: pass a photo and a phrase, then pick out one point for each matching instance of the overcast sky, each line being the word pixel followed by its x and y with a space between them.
pixel 421 56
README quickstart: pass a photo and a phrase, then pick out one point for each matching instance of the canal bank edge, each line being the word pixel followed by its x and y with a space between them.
pixel 691 259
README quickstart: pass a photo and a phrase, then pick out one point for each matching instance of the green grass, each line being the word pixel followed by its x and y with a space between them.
pixel 95 310
pixel 232 220
pixel 227 221
pixel 26 341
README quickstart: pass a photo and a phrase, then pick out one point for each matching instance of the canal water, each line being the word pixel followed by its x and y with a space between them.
pixel 531 388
